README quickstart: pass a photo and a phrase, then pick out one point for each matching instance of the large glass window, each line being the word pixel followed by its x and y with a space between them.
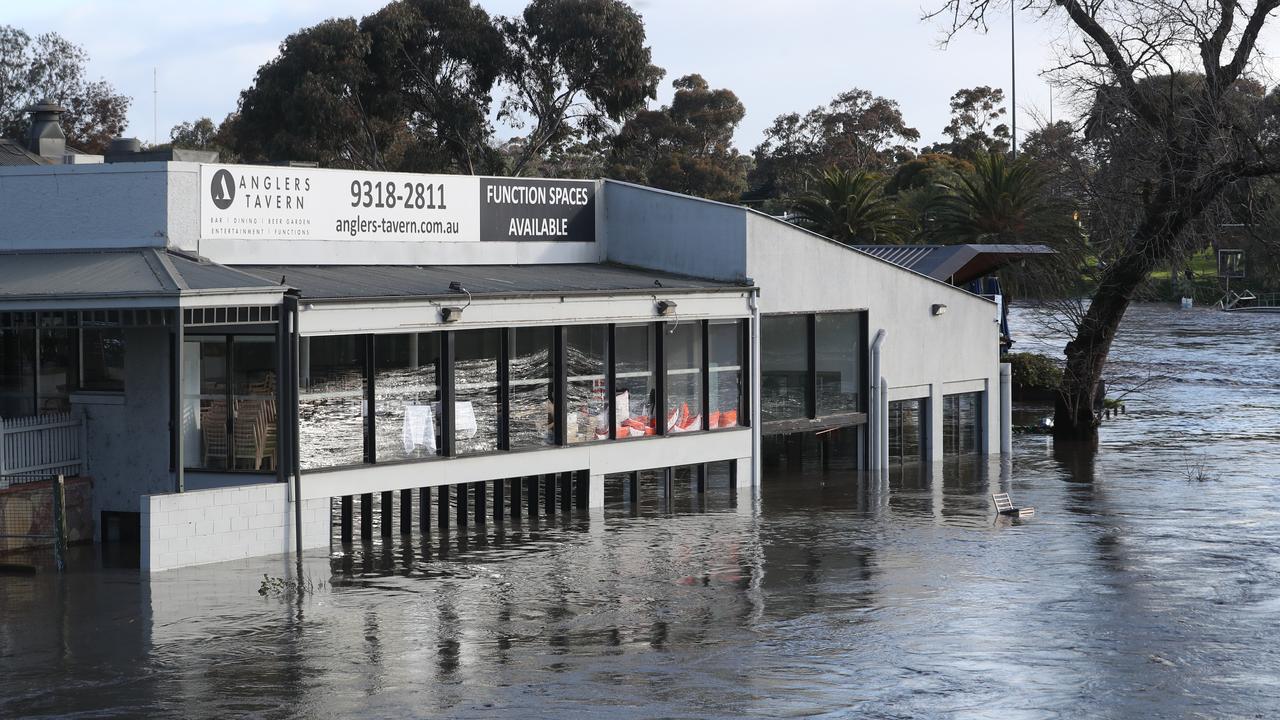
pixel 17 373
pixel 406 396
pixel 587 405
pixel 102 359
pixel 532 388
pixel 253 388
pixel 962 424
pixel 837 337
pixel 725 338
pixel 331 402
pixel 683 344
pixel 475 382
pixel 57 369
pixel 784 367
pixel 906 434
pixel 229 402
pixel 636 380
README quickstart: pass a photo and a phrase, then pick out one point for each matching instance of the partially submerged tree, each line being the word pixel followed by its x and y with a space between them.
pixel 578 68
pixel 686 146
pixel 48 67
pixel 1194 140
pixel 850 207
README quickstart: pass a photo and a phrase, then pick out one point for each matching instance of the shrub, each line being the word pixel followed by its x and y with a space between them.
pixel 1034 371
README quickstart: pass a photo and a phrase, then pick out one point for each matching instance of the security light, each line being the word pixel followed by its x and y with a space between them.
pixel 939 309
pixel 666 307
pixel 450 314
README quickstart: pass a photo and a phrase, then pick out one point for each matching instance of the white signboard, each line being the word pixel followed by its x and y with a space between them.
pixel 252 202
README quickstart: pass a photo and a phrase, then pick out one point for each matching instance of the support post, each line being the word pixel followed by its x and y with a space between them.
pixel 1006 409
pixel 669 487
pixel 499 491
pixel 566 491
pixel 366 516
pixel 442 506
pixel 460 497
pixel 481 502
pixel 348 510
pixel 406 511
pixel 516 482
pixel 702 478
pixel 582 489
pixel 175 416
pixel 60 523
pixel 388 499
pixel 549 493
pixel 531 484
pixel 595 489
pixel 633 487
pixel 424 509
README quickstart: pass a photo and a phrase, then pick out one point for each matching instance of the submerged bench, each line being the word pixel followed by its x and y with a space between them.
pixel 1004 506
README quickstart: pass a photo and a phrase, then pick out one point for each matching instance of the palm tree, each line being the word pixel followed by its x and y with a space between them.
pixel 1001 201
pixel 849 207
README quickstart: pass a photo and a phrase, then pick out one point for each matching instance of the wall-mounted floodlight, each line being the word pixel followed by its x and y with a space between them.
pixel 939 309
pixel 450 314
pixel 666 307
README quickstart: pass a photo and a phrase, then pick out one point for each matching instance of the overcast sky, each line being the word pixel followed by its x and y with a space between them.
pixel 777 56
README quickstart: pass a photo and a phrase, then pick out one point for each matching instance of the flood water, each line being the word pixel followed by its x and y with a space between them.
pixel 1147 585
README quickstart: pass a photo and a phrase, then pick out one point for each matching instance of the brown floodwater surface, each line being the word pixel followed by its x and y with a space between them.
pixel 1146 586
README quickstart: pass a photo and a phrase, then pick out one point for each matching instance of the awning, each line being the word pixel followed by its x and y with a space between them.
pixel 957 264
pixel 136 277
pixel 362 282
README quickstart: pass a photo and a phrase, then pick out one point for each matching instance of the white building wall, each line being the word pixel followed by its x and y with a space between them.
pixel 957 351
pixel 208 526
pixel 84 206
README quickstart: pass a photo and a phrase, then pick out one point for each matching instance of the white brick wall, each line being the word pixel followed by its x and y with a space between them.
pixel 208 526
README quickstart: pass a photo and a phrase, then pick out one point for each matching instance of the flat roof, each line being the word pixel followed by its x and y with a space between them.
pixel 128 273
pixel 354 282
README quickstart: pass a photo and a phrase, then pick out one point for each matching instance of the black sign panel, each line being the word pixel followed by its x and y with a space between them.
pixel 518 209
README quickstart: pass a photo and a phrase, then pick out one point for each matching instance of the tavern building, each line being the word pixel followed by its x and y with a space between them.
pixel 247 356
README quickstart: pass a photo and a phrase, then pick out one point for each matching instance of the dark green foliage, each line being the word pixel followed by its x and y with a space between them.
pixel 685 147
pixel 1032 371
pixel 48 67
pixel 577 67
pixel 849 207
pixel 855 131
pixel 1002 201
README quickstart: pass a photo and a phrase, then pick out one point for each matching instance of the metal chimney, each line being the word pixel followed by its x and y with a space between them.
pixel 45 137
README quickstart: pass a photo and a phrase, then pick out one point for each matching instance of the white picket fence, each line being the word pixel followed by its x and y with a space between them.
pixel 38 447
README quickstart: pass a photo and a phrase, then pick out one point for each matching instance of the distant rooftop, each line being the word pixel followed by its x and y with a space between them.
pixel 957 264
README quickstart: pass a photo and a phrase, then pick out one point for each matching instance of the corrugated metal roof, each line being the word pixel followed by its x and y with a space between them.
pixel 12 153
pixel 138 272
pixel 342 282
pixel 957 263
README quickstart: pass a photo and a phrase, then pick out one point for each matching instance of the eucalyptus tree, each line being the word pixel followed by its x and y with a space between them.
pixel 1168 74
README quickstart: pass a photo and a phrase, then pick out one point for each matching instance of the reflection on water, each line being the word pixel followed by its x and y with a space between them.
pixel 1134 592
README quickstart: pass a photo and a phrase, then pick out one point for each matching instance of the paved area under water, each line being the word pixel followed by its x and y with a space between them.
pixel 1147 585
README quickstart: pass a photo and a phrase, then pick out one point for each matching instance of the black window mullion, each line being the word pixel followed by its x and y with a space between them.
pixel 447 434
pixel 706 374
pixel 811 395
pixel 611 375
pixel 230 460
pixel 660 377
pixel 561 390
pixel 505 344
pixel 370 423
